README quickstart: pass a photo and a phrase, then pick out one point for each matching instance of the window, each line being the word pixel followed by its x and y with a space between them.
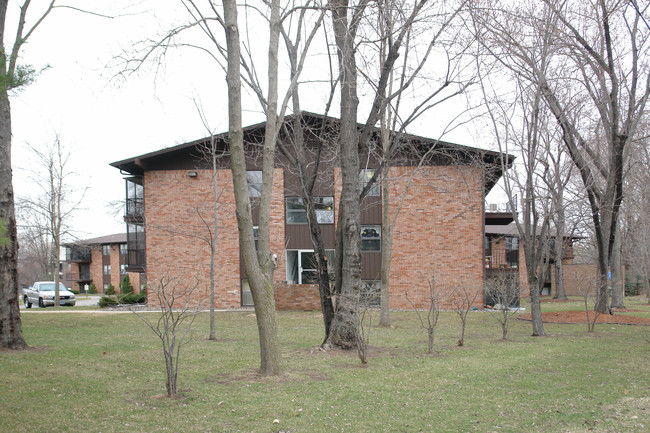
pixel 122 269
pixel 106 286
pixel 106 250
pixel 256 235
pixel 512 243
pixel 246 295
pixel 134 197
pixel 123 249
pixel 370 238
pixel 302 267
pixel 364 177
pixel 370 293
pixel 107 269
pixel 135 240
pixel 297 213
pixel 254 179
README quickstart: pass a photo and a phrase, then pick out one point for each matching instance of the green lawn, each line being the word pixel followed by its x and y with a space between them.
pixel 104 373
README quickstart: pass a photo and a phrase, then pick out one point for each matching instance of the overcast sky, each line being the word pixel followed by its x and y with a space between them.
pixel 101 119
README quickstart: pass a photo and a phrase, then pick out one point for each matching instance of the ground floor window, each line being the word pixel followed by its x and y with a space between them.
pixel 302 268
pixel 246 295
pixel 370 293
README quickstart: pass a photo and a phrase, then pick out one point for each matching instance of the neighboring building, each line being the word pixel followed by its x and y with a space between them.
pixel 439 230
pixel 503 254
pixel 101 261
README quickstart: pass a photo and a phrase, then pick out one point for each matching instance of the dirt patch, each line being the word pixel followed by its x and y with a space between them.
pixel 28 349
pixel 556 300
pixel 254 376
pixel 581 317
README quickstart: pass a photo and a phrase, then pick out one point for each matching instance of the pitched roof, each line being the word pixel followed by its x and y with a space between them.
pixel 139 164
pixel 117 238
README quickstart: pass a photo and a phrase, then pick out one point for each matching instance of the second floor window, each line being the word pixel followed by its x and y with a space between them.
pixel 364 177
pixel 254 179
pixel 297 213
pixel 512 243
pixel 106 250
pixel 123 249
pixel 107 269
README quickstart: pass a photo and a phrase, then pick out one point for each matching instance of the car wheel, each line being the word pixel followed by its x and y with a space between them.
pixel 40 303
pixel 27 303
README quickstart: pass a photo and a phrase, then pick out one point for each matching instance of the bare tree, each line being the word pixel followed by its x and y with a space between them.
pixel 13 76
pixel 54 205
pixel 636 220
pixel 520 125
pixel 174 325
pixel 462 301
pixel 503 289
pixel 346 21
pixel 588 290
pixel 433 312
pixel 606 44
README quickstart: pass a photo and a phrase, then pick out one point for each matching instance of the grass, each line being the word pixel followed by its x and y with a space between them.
pixel 104 373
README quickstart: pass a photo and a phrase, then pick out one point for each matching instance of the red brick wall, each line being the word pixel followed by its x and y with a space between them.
pixel 97 269
pixel 439 233
pixel 174 232
pixel 297 297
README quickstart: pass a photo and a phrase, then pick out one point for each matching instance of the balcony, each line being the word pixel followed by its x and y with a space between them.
pixel 78 276
pixel 77 254
pixel 502 259
pixel 499 213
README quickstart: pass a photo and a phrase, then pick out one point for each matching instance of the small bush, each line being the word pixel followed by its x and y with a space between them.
pixel 125 285
pixel 92 289
pixel 110 290
pixel 132 298
pixel 107 301
pixel 76 292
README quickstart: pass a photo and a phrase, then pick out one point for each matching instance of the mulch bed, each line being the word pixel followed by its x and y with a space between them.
pixel 568 317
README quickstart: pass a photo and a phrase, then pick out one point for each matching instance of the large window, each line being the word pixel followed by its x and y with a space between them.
pixel 302 268
pixel 106 250
pixel 364 177
pixel 135 242
pixel 134 197
pixel 254 179
pixel 297 213
pixel 107 269
pixel 370 238
pixel 123 249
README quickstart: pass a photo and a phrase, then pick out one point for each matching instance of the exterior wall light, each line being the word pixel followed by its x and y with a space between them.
pixel 192 174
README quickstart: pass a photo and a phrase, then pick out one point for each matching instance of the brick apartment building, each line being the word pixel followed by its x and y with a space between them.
pixel 101 261
pixel 439 229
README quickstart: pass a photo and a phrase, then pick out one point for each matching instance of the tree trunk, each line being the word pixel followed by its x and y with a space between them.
pixel 213 244
pixel 559 248
pixel 386 249
pixel 346 317
pixel 11 335
pixel 618 287
pixel 535 306
pixel 259 281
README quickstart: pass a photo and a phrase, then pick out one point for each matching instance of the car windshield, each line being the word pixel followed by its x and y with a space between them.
pixel 49 287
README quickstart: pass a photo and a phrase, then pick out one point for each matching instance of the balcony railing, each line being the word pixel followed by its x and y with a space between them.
pixel 77 276
pixel 502 259
pixel 500 207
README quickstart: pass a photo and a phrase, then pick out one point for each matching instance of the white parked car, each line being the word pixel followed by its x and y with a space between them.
pixel 42 294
